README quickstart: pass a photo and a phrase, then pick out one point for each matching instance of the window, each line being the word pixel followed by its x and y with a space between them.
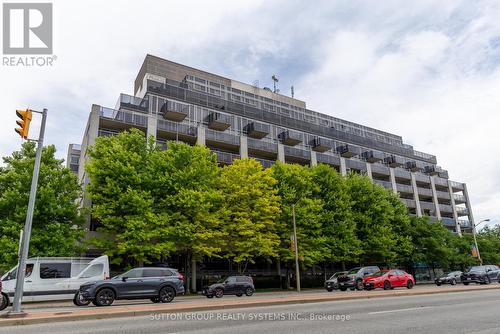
pixel 55 270
pixel 92 271
pixel 134 273
pixel 13 273
pixel 153 272
pixel 231 280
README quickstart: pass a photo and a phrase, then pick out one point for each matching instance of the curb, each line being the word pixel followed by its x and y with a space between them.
pixel 96 313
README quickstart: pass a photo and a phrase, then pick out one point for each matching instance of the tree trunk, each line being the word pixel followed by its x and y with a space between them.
pixel 343 265
pixel 187 271
pixel 288 276
pixel 278 267
pixel 193 274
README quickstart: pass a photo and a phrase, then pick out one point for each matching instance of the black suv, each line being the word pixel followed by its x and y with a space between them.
pixel 233 285
pixel 4 302
pixel 481 274
pixel 157 284
pixel 354 277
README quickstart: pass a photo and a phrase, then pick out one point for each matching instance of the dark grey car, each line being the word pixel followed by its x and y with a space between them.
pixel 161 285
pixel 354 277
pixel 233 285
pixel 481 275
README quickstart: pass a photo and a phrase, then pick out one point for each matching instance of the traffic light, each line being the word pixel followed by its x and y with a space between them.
pixel 24 123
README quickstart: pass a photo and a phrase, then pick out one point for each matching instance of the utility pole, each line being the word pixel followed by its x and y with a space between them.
pixel 21 268
pixel 297 271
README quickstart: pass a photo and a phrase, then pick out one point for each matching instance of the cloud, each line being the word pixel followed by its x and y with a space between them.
pixel 426 70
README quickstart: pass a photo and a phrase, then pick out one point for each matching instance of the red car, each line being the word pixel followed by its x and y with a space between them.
pixel 389 279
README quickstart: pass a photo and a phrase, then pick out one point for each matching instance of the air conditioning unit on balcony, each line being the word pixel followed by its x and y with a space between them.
pixel 218 121
pixel 348 151
pixel 321 144
pixel 372 156
pixel 290 138
pixel 393 161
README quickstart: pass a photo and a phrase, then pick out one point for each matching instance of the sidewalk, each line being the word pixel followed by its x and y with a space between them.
pixel 202 304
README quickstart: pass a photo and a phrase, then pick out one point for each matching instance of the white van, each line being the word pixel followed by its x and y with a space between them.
pixel 54 278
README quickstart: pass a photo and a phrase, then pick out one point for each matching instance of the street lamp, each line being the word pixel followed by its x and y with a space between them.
pixel 475 240
pixel 297 271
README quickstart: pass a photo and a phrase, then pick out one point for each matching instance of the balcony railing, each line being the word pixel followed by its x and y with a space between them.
pixel 428 206
pixel 385 184
pixel 218 121
pixel 432 170
pixel 443 174
pixel 443 194
pixel 348 151
pixel 176 128
pixel 445 208
pixel 261 145
pixel 422 178
pixel 380 169
pixel 225 157
pixel 401 173
pixel 290 137
pixel 424 192
pixel 440 181
pixel 328 159
pixel 131 102
pixel 265 163
pixel 222 137
pixel 372 156
pixel 456 185
pixel 413 166
pixel 124 116
pixel 107 132
pixel 403 188
pixel 464 223
pixel 321 144
pixel 448 221
pixel 257 130
pixel 394 161
pixel 461 211
pixel 409 202
pixel 175 111
pixel 459 199
pixel 297 153
pixel 356 164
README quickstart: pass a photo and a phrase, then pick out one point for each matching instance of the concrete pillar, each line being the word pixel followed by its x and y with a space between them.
pixel 455 214
pixel 200 138
pixel 415 195
pixel 369 170
pixel 152 124
pixel 469 207
pixel 243 146
pixel 393 180
pixel 435 198
pixel 343 168
pixel 314 160
pixel 281 152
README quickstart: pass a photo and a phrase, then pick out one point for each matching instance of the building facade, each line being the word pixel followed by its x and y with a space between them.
pixel 236 120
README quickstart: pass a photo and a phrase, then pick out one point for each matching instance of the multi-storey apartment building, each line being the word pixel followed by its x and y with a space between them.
pixel 236 120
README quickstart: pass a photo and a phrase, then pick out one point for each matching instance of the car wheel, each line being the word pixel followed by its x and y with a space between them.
pixel 453 282
pixel 167 294
pixel 249 291
pixel 387 285
pixel 104 297
pixel 343 289
pixel 359 285
pixel 4 301
pixel 329 290
pixel 210 296
pixel 78 300
pixel 488 280
pixel 239 294
pixel 409 284
pixel 438 283
pixel 219 293
pixel 155 300
pixel 466 283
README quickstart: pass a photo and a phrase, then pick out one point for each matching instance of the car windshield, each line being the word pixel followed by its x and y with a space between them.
pixel 222 280
pixel 340 273
pixel 477 268
pixel 353 271
pixel 379 273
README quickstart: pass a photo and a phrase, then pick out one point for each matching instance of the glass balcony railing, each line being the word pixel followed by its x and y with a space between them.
pixel 394 161
pixel 464 223
pixel 222 137
pixel 424 192
pixel 265 163
pixel 257 130
pixel 385 184
pixel 456 186
pixel 443 194
pixel 348 151
pixel 175 111
pixel 356 164
pixel 124 116
pixel 461 211
pixel 218 121
pixel 373 156
pixel 445 208
pixel 176 128
pixel 401 173
pixel 261 145
pixel 380 169
pixel 297 153
pixel 131 102
pixel 428 206
pixel 403 188
pixel 107 132
pixel 450 222
pixel 321 144
pixel 459 199
pixel 225 157
pixel 290 137
pixel 409 202
pixel 328 159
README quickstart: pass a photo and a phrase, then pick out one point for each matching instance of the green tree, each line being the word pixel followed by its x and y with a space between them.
pixel 296 188
pixel 338 225
pixel 57 222
pixel 488 240
pixel 252 207
pixel 123 179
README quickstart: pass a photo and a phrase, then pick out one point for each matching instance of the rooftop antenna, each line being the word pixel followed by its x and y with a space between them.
pixel 256 83
pixel 275 80
pixel 293 93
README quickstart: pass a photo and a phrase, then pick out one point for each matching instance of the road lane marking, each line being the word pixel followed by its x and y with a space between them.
pixel 401 310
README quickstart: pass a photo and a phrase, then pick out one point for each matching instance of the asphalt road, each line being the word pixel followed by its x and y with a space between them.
pixel 466 312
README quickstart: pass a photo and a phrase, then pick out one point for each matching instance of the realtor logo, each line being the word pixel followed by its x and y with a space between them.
pixel 27 28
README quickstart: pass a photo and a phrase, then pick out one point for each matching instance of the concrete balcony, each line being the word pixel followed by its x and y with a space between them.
pixel 348 151
pixel 321 144
pixel 355 164
pixel 394 161
pixel 290 137
pixel 262 148
pixel 175 111
pixel 443 195
pixel 448 222
pixel 372 156
pixel 441 181
pixel 132 103
pixel 402 174
pixel 265 162
pixel 428 206
pixel 219 122
pixel 221 139
pixel 174 130
pixel 257 130
pixel 425 192
pixel 422 178
pixel 459 199
pixel 121 119
pixel 456 186
pixel 410 203
pixel 297 153
pixel 404 189
pixel 226 158
pixel 380 169
pixel 412 166
pixel 461 211
pixel 432 170
pixel 464 223
pixel 384 184
pixel 445 208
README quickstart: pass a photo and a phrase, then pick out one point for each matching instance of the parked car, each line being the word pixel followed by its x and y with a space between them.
pixel 450 278
pixel 233 285
pixel 481 274
pixel 354 277
pixel 4 302
pixel 54 278
pixel 332 283
pixel 389 279
pixel 160 285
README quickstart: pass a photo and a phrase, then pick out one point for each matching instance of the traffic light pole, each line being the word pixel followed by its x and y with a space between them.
pixel 21 268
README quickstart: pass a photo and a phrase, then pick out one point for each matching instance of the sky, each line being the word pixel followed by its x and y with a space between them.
pixel 426 70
